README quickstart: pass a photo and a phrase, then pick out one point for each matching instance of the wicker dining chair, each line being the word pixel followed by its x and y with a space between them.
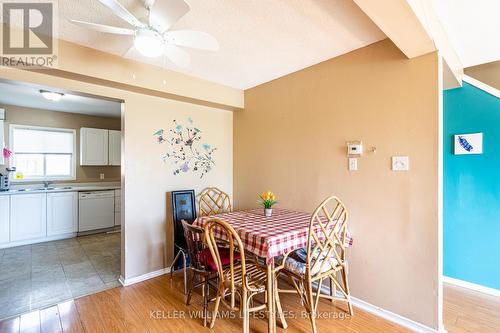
pixel 202 265
pixel 198 265
pixel 237 279
pixel 213 201
pixel 323 259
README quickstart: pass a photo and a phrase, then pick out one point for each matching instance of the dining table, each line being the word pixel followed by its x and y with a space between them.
pixel 269 237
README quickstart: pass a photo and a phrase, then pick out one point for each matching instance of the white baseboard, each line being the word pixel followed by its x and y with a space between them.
pixel 143 277
pixel 38 240
pixel 393 317
pixel 387 315
pixel 472 286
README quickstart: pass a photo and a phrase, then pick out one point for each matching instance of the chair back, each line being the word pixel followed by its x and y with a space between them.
pixel 214 201
pixel 194 240
pixel 326 239
pixel 219 229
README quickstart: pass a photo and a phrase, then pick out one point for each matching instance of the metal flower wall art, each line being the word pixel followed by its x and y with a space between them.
pixel 186 151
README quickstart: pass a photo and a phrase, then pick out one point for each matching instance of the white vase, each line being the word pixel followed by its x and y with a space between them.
pixel 268 212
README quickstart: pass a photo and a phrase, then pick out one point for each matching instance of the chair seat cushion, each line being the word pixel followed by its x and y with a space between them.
pixel 206 257
pixel 296 262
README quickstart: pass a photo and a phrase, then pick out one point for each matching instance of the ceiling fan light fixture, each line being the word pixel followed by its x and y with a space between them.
pixel 51 95
pixel 149 43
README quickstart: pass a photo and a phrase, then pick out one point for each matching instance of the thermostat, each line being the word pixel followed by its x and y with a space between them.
pixel 354 148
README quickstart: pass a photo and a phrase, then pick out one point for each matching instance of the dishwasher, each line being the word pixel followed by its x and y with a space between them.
pixel 96 210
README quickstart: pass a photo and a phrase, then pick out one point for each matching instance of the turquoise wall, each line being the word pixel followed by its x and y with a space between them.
pixel 472 188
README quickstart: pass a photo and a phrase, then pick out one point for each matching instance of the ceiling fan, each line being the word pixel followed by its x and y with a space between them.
pixel 152 37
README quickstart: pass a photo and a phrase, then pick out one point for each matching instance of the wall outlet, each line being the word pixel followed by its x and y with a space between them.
pixel 101 176
pixel 400 163
pixel 353 164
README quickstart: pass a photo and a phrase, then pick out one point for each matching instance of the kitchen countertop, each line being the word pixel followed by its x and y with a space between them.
pixel 66 187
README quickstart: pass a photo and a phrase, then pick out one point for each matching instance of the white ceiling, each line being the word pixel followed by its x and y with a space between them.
pixel 260 40
pixel 473 28
pixel 29 96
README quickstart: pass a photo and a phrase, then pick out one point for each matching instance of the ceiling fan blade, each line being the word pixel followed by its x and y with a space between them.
pixel 193 39
pixel 164 13
pixel 177 55
pixel 103 28
pixel 122 12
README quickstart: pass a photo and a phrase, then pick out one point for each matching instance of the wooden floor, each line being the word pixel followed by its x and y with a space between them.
pixel 470 311
pixel 157 305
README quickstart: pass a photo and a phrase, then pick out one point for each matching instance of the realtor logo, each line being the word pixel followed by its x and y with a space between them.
pixel 29 34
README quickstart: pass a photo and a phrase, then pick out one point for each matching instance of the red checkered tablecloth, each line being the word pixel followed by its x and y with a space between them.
pixel 268 237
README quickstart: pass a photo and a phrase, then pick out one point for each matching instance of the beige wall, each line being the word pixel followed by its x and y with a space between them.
pixel 45 118
pixel 487 73
pixel 148 178
pixel 291 139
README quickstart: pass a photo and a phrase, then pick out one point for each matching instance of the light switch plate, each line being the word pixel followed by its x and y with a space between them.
pixel 353 164
pixel 400 163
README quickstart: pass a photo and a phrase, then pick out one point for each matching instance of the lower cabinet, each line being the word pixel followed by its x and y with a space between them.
pixel 118 209
pixel 4 219
pixel 62 213
pixel 28 216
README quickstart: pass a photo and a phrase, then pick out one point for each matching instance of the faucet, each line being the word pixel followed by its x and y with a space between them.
pixel 46 183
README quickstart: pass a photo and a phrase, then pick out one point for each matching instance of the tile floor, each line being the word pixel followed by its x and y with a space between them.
pixel 39 275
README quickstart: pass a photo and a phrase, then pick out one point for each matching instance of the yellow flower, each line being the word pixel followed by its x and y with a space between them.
pixel 268 195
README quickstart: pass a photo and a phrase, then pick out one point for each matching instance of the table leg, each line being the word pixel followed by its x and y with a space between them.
pixel 271 299
pixel 278 308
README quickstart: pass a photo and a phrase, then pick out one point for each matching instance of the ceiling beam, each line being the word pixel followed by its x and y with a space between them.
pixel 400 23
pixel 415 29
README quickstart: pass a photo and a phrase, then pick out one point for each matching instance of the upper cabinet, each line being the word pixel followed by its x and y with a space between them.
pixel 115 140
pixel 93 146
pixel 100 146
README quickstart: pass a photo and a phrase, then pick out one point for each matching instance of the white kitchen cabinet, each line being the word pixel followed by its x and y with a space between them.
pixel 115 143
pixel 62 213
pixel 118 207
pixel 93 146
pixel 4 219
pixel 28 216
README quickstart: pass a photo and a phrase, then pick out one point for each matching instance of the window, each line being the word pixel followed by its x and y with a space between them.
pixel 42 153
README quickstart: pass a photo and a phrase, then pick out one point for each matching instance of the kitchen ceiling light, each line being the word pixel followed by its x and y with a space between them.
pixel 149 43
pixel 51 96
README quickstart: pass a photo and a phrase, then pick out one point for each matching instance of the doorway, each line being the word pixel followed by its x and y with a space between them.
pixel 61 148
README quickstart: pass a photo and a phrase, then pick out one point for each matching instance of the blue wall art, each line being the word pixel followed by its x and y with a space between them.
pixel 468 144
pixel 186 150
